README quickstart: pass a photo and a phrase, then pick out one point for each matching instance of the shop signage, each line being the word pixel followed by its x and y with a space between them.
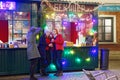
pixel 75 7
pixel 7 5
pixel 109 8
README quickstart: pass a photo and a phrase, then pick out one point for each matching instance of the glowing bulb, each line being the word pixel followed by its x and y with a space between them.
pixel 79 14
pixel 66 52
pixel 53 14
pixel 94 51
pixel 77 60
pixel 93 20
pixel 91 32
pixel 63 62
pixel 37 37
pixel 52 67
pixel 47 16
pixel 88 59
pixel 76 23
pixel 64 28
pixel 72 52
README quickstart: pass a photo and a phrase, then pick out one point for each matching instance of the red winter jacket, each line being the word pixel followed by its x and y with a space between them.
pixel 59 41
pixel 47 43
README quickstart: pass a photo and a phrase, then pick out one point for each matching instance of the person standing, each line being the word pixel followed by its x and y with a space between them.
pixel 32 50
pixel 44 51
pixel 57 42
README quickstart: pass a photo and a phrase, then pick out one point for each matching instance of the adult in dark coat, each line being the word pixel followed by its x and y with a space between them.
pixel 44 51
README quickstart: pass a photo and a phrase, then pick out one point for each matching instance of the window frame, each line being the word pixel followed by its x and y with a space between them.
pixel 113 28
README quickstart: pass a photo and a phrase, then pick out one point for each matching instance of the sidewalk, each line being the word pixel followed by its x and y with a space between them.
pixel 114 68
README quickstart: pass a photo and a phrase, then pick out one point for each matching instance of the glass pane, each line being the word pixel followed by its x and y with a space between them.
pixel 107 29
pixel 108 37
pixel 9 15
pixel 100 37
pixel 34 18
pixel 21 26
pixel 5 15
pixel 58 26
pixel 26 26
pixel 34 6
pixel 21 16
pixel 49 26
pixel 108 22
pixel 10 30
pixel 17 26
pixel 100 22
pixel 100 29
pixel 23 6
pixel 17 36
pixel 66 32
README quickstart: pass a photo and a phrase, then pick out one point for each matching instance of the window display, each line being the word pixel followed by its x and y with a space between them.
pixel 21 15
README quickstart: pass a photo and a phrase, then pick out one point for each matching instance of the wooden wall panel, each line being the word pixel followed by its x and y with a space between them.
pixel 113 46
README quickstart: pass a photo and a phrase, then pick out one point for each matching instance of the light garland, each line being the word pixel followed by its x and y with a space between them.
pixel 50 6
pixel 67 8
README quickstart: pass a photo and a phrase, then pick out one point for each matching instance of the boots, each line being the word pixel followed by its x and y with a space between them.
pixel 60 73
pixel 33 78
pixel 43 73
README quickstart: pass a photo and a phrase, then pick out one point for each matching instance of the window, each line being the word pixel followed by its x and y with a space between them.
pixel 106 29
pixel 19 20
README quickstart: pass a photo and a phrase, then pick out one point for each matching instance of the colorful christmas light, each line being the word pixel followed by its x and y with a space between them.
pixel 77 60
pixel 87 59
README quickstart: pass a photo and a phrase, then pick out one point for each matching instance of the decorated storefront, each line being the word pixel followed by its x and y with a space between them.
pixel 76 21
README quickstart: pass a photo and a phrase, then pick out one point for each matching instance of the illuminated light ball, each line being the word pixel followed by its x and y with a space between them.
pixel 71 14
pixel 37 37
pixel 91 23
pixel 53 15
pixel 87 59
pixel 91 32
pixel 80 14
pixel 65 22
pixel 64 28
pixel 77 60
pixel 47 16
pixel 94 51
pixel 76 23
pixel 52 67
pixel 94 21
pixel 46 27
pixel 79 24
pixel 66 52
pixel 63 62
pixel 72 52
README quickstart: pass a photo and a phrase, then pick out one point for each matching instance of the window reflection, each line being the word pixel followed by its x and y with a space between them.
pixel 21 16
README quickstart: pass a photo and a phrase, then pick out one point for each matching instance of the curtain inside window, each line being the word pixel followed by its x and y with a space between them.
pixel 4 30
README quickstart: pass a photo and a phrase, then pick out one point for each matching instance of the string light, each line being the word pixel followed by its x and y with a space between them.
pixel 37 37
pixel 52 67
pixel 77 60
pixel 72 52
pixel 69 4
pixel 87 59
